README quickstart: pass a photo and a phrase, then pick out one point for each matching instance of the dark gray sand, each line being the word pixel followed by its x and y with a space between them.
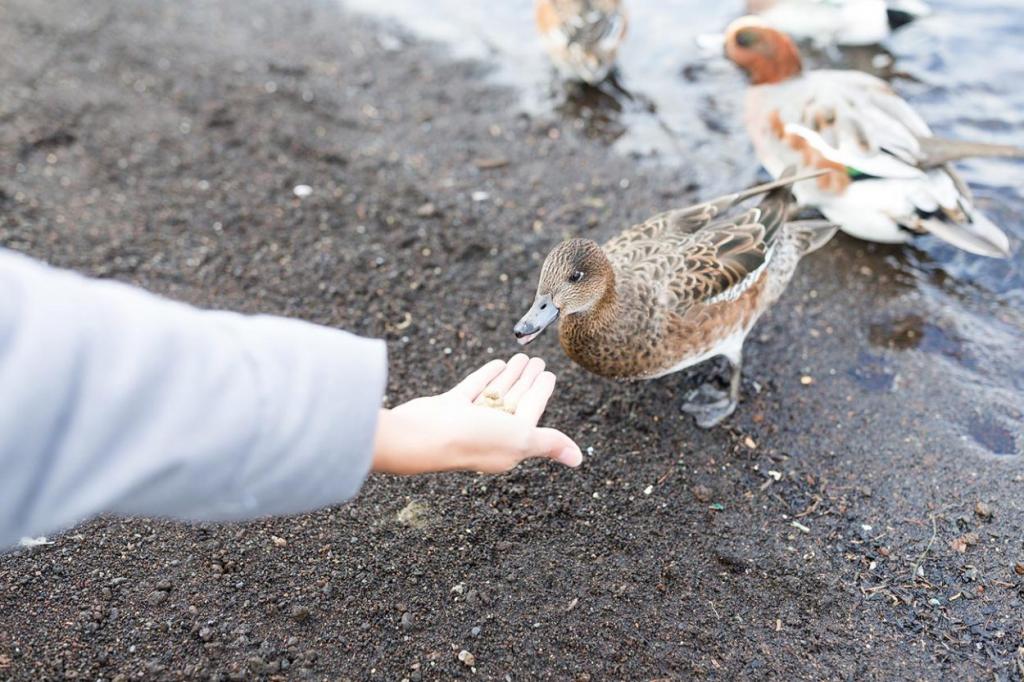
pixel 860 516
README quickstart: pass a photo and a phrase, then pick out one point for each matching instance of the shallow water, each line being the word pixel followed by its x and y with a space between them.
pixel 961 68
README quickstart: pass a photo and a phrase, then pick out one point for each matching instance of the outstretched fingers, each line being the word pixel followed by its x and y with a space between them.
pixel 533 369
pixel 504 381
pixel 532 403
pixel 474 384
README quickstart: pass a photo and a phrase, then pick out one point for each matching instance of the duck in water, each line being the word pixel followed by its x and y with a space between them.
pixel 582 36
pixel 889 177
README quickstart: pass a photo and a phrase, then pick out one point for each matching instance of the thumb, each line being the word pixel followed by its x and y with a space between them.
pixel 554 444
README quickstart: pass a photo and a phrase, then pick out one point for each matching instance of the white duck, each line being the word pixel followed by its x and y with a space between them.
pixel 839 22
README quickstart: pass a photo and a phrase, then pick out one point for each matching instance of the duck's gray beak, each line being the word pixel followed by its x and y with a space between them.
pixel 542 313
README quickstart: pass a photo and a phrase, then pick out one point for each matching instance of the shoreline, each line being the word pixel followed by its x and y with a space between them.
pixel 159 144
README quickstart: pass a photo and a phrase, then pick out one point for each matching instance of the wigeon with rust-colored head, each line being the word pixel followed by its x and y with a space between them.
pixel 838 22
pixel 582 36
pixel 674 291
pixel 889 178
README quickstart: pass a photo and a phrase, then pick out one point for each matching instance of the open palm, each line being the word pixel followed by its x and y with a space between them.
pixel 454 431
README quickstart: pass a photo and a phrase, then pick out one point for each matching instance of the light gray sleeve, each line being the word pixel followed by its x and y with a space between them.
pixel 116 400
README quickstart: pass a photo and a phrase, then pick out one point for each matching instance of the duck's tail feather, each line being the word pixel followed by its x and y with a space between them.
pixel 811 235
pixel 777 201
pixel 902 12
pixel 938 151
pixel 789 177
pixel 977 234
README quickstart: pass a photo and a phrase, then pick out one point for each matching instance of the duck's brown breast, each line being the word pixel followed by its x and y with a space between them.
pixel 643 341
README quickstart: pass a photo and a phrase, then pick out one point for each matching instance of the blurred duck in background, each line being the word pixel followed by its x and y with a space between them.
pixel 582 36
pixel 890 177
pixel 838 22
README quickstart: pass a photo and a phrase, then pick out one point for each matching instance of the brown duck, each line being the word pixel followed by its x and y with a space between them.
pixel 682 287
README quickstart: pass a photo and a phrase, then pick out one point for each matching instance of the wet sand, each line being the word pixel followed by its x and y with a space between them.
pixel 859 517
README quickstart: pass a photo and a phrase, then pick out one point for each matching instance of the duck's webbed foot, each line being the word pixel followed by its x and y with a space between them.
pixel 709 404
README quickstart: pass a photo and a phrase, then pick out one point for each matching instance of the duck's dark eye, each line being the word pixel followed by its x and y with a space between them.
pixel 576 276
pixel 746 38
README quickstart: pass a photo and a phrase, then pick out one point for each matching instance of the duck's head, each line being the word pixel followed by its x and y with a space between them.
pixel 575 277
pixel 767 55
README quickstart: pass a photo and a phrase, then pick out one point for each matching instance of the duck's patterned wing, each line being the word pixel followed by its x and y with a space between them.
pixel 599 26
pixel 713 262
pixel 723 260
pixel 680 222
pixel 594 25
pixel 853 122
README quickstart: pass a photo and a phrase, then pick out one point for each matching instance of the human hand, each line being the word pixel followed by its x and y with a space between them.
pixel 449 432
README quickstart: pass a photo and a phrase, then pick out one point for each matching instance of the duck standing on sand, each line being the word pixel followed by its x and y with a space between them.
pixel 838 22
pixel 890 178
pixel 582 36
pixel 674 291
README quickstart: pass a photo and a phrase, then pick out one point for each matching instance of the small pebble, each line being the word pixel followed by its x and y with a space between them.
pixel 408 623
pixel 302 191
pixel 702 493
pixel 475 631
pixel 300 614
pixel 157 597
pixel 256 665
pixel 467 658
pixel 414 515
pixel 1018 568
pixel 480 195
pixel 983 510
pixel 427 210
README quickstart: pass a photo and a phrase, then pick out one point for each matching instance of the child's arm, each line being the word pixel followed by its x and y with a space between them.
pixel 116 400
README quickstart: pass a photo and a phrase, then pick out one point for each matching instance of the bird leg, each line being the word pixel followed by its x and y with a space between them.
pixel 709 404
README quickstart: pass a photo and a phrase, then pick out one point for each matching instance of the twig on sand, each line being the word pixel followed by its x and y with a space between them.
pixel 924 554
pixel 810 508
